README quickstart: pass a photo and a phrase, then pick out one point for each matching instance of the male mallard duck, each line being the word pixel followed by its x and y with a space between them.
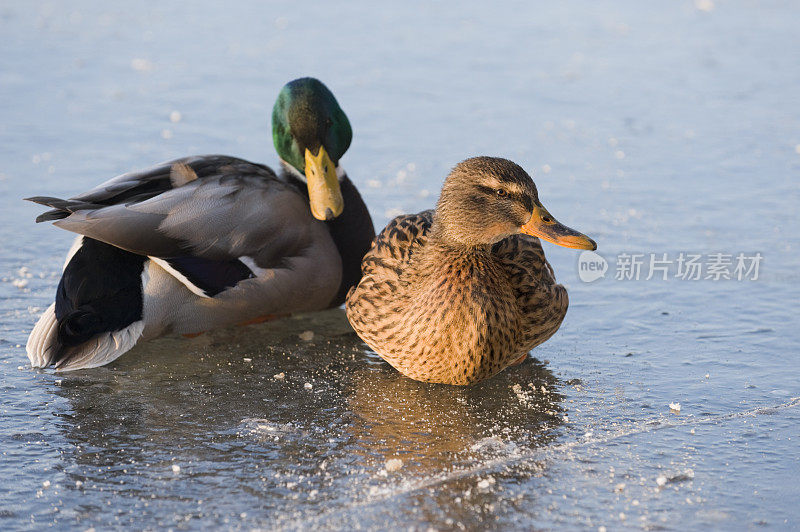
pixel 208 241
pixel 458 294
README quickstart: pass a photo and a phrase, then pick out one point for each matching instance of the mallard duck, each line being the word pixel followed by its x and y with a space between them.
pixel 208 241
pixel 458 294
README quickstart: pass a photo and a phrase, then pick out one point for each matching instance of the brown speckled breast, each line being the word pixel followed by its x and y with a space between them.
pixel 454 317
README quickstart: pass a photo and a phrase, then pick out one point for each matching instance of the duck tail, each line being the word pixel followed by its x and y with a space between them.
pixel 98 313
pixel 99 350
pixel 61 208
pixel 45 347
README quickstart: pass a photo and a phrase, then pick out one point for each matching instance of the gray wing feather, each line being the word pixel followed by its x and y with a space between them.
pixel 233 209
pixel 203 218
pixel 157 179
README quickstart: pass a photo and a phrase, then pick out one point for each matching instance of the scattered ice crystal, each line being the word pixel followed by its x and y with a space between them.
pixel 484 483
pixel 308 386
pixel 247 359
pixel 176 468
pixel 523 397
pixel 307 336
pixel 661 481
pixel 393 464
pixel 675 407
pixel 166 134
pixel 46 484
pixel 175 117
pixel 20 283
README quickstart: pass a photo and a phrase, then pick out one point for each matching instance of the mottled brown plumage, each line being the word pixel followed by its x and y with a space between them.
pixel 458 294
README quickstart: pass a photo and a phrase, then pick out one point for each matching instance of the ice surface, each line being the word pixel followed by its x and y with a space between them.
pixel 656 128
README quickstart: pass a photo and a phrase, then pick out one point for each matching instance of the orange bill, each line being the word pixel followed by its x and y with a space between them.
pixel 543 225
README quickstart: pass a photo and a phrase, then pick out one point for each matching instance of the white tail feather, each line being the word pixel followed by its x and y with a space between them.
pixel 103 348
pixel 98 351
pixel 42 338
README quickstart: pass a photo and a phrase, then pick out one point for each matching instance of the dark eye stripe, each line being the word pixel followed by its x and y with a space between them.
pixel 524 199
pixel 519 197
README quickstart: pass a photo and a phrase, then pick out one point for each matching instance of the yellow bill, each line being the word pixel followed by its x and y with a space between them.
pixel 543 225
pixel 325 196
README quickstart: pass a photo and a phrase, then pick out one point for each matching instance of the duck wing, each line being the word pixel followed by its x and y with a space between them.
pixel 395 245
pixel 205 216
pixel 143 184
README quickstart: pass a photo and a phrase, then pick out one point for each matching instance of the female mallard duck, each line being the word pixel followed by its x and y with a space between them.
pixel 208 241
pixel 458 294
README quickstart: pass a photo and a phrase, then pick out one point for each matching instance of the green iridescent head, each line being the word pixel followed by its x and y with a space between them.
pixel 311 133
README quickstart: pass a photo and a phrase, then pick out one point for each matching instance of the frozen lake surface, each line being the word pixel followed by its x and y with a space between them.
pixel 655 128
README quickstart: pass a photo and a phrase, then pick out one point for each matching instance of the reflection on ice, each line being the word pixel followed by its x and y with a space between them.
pixel 211 408
pixel 176 421
pixel 436 427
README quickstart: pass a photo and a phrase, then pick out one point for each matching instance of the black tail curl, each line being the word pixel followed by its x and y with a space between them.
pixel 99 292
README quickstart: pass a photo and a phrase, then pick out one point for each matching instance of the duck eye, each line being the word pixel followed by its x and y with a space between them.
pixel 501 193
